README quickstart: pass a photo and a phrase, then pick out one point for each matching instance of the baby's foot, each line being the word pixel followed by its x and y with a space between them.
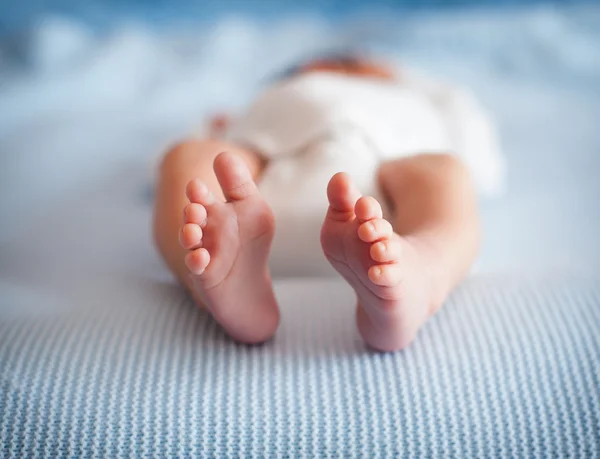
pixel 228 245
pixel 385 270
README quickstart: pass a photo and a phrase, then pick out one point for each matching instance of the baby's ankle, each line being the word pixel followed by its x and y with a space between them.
pixel 441 279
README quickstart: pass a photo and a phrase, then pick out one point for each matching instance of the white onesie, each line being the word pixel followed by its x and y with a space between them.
pixel 314 125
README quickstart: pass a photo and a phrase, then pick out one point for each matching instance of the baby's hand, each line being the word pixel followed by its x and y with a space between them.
pixel 218 124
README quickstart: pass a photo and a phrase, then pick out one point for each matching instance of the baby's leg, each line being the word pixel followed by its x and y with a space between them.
pixel 403 270
pixel 217 239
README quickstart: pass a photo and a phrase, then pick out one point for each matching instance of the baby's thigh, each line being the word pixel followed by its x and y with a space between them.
pixel 194 158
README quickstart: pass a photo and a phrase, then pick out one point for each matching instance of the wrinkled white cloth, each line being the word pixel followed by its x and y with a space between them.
pixel 314 125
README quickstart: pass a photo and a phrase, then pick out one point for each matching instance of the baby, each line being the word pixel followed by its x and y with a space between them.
pixel 419 149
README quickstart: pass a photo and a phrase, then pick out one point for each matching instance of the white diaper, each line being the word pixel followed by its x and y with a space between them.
pixel 296 188
pixel 315 125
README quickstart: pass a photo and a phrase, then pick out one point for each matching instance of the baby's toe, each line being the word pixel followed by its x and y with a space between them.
pixel 197 261
pixel 375 230
pixel 190 236
pixel 386 251
pixel 385 275
pixel 198 192
pixel 341 194
pixel 195 213
pixel 367 208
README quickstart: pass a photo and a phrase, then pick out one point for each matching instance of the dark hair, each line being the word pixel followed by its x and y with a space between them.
pixel 347 58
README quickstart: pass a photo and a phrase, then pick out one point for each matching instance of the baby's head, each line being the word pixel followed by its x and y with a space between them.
pixel 346 65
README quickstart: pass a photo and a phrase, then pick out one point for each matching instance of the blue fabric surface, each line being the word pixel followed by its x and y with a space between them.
pixel 508 369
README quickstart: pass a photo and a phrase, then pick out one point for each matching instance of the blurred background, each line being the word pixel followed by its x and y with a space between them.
pixel 105 13
pixel 92 91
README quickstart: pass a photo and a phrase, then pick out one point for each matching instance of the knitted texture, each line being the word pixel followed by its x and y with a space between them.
pixel 508 368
